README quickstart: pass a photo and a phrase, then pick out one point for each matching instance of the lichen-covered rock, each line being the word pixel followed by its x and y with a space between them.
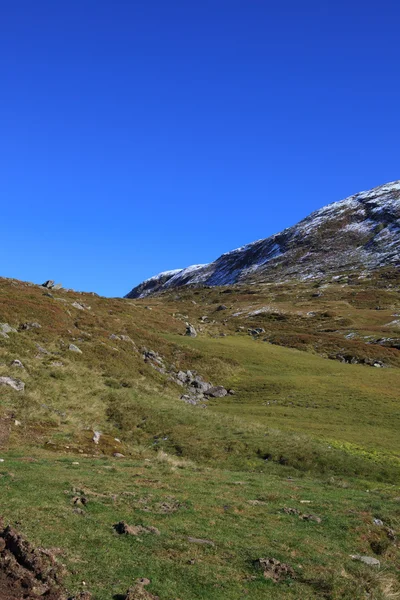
pixel 15 384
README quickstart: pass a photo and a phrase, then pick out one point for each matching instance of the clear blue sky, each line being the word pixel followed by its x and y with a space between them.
pixel 144 135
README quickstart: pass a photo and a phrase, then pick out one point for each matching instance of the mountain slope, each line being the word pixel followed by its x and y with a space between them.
pixel 360 233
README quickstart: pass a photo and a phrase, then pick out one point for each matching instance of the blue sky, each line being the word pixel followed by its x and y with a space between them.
pixel 144 135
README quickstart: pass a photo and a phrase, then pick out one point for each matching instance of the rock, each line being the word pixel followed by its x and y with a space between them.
pixel 221 307
pixel 367 560
pixel 82 596
pixel 15 384
pixel 124 529
pixel 201 385
pixel 57 363
pixel 96 436
pixel 80 500
pixel 189 399
pixel 194 540
pixel 216 392
pixel 190 330
pixel 118 455
pixel 181 376
pixel 378 522
pixel 274 569
pixel 311 518
pixel 78 306
pixel 6 329
pixel 231 392
pixel 74 348
pixel 57 286
pixel 256 331
pixel 17 363
pixel 41 349
pixel 48 284
pixel 290 511
pixel 27 326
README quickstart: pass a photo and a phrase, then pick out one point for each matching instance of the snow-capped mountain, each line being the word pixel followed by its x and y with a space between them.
pixel 360 233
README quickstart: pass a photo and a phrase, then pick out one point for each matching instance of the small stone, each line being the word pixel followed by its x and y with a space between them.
pixel 96 436
pixel 6 329
pixel 124 529
pixel 27 326
pixel 367 560
pixel 190 330
pixel 15 384
pixel 48 284
pixel 311 518
pixel 17 423
pixel 118 455
pixel 217 391
pixel 78 306
pixel 74 348
pixel 17 363
pixel 193 540
pixel 221 307
pixel 378 522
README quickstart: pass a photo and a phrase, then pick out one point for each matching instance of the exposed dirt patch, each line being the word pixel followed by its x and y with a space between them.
pixel 27 573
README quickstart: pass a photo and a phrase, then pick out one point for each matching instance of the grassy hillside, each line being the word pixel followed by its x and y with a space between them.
pixel 303 425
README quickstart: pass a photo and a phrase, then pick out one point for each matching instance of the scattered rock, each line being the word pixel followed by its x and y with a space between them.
pixel 367 560
pixel 274 569
pixel 41 349
pixel 78 306
pixel 17 363
pixel 190 330
pixel 118 455
pixel 290 511
pixel 80 500
pixel 48 284
pixel 15 384
pixel 217 391
pixel 221 307
pixel 74 348
pixel 96 436
pixel 27 326
pixel 256 331
pixel 378 522
pixel 5 329
pixel 124 529
pixel 311 518
pixel 194 540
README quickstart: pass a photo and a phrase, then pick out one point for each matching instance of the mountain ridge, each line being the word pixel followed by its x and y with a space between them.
pixel 360 232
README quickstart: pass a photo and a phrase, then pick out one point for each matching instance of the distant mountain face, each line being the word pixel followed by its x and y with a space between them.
pixel 360 233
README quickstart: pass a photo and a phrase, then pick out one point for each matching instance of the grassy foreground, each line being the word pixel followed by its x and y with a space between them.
pixel 302 432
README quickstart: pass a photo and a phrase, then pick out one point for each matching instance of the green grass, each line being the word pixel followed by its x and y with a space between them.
pixel 213 504
pixel 300 427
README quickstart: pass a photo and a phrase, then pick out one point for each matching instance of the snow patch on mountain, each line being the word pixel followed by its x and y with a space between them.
pixel 359 233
